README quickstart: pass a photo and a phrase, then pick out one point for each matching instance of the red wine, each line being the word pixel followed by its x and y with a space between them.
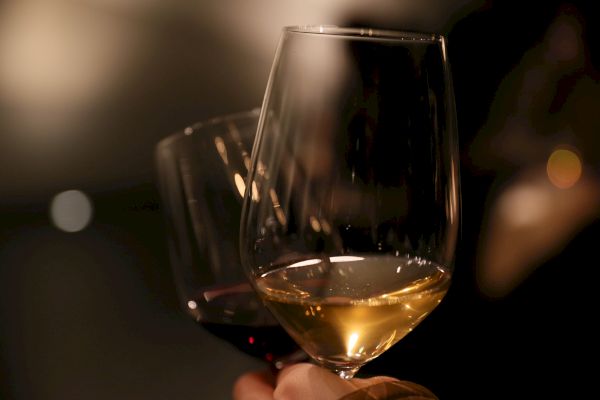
pixel 234 313
pixel 269 343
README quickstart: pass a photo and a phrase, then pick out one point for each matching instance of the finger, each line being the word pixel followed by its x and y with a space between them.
pixel 307 381
pixel 254 386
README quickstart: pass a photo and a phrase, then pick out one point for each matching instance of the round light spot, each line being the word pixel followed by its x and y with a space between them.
pixel 192 305
pixel 71 211
pixel 564 168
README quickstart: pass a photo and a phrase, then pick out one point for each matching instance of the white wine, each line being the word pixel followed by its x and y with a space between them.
pixel 347 310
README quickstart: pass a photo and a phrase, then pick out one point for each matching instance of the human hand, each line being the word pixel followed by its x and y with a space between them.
pixel 307 381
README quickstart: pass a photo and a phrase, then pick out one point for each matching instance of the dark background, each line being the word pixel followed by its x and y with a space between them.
pixel 87 88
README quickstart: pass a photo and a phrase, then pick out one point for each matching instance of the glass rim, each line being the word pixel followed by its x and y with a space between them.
pixel 365 33
pixel 189 130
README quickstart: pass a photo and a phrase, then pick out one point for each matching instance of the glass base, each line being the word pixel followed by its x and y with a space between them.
pixel 346 373
pixel 344 369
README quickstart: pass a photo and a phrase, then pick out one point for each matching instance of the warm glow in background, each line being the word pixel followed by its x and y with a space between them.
pixel 88 87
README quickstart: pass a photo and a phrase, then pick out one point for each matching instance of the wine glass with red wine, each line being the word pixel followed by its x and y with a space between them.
pixel 201 179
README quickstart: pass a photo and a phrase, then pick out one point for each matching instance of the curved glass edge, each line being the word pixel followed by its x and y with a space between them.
pixel 190 129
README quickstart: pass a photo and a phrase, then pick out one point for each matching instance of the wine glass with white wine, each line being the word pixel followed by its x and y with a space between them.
pixel 351 210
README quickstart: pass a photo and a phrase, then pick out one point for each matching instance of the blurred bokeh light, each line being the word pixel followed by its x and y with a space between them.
pixel 71 210
pixel 564 168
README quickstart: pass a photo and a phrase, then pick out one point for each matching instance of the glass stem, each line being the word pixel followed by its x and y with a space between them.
pixel 347 373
